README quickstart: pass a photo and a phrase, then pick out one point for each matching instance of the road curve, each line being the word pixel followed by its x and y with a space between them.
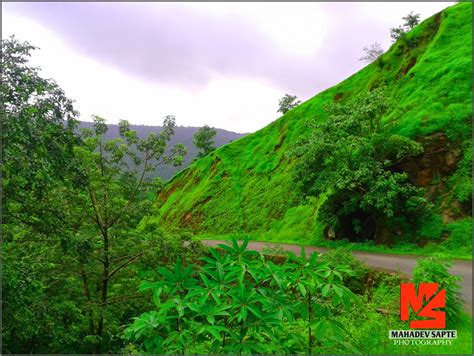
pixel 402 263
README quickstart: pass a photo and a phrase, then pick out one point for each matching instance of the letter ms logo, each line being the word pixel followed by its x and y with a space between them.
pixel 423 305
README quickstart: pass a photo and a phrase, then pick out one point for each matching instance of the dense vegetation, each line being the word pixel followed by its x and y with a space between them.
pixel 239 301
pixel 88 266
pixel 71 203
pixel 246 188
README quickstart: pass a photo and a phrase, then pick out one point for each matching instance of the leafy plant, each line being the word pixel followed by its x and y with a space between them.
pixel 436 270
pixel 238 302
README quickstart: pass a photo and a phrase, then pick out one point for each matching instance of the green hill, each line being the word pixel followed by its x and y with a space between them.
pixel 247 186
pixel 182 134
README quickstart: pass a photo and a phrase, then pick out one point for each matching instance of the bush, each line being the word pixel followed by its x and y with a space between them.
pixel 435 270
pixel 358 281
pixel 432 228
pixel 237 302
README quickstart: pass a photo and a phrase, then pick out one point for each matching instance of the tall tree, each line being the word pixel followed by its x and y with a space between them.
pixel 110 207
pixel 38 123
pixel 204 140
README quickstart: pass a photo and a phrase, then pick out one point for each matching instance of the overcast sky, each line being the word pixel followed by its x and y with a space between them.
pixel 222 64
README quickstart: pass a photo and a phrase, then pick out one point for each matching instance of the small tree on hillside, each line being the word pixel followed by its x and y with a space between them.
pixel 204 140
pixel 411 20
pixel 287 103
pixel 372 53
pixel 396 33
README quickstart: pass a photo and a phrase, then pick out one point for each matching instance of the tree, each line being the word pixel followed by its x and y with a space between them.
pixel 73 245
pixel 287 103
pixel 204 140
pixel 38 137
pixel 110 206
pixel 352 159
pixel 411 20
pixel 396 33
pixel 372 53
pixel 38 123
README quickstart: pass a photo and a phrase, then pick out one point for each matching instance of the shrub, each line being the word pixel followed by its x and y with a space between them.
pixel 237 302
pixel 435 270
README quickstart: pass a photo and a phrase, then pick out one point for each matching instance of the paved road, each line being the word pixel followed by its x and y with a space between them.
pixel 402 263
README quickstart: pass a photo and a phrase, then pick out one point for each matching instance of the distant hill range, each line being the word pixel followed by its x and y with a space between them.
pixel 182 135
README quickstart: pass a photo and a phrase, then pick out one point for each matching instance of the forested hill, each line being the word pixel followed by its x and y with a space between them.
pixel 182 135
pixel 249 187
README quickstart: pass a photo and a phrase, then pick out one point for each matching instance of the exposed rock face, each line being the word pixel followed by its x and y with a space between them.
pixel 439 159
pixel 432 169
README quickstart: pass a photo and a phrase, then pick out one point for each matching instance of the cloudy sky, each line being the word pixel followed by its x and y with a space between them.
pixel 222 64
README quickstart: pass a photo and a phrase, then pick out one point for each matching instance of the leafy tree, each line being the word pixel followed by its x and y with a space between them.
pixel 110 206
pixel 396 33
pixel 38 123
pixel 287 103
pixel 204 140
pixel 411 20
pixel 372 53
pixel 72 245
pixel 352 159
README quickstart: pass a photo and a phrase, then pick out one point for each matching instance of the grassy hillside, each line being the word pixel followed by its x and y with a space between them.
pixel 247 187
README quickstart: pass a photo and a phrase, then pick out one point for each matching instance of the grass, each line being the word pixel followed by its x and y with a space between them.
pixel 247 186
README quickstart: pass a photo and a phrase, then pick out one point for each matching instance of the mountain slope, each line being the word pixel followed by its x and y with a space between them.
pixel 182 135
pixel 247 186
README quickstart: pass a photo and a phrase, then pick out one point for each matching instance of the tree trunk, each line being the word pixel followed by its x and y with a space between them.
pixel 104 292
pixel 382 232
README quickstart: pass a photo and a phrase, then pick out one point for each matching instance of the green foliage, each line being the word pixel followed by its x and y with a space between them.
pixel 432 228
pixel 435 270
pixel 460 236
pixel 38 123
pixel 204 140
pixel 411 20
pixel 351 156
pixel 357 280
pixel 287 103
pixel 461 181
pixel 72 207
pixel 238 302
pixel 273 250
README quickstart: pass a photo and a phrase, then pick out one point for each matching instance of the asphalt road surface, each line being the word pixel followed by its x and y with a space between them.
pixel 401 263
